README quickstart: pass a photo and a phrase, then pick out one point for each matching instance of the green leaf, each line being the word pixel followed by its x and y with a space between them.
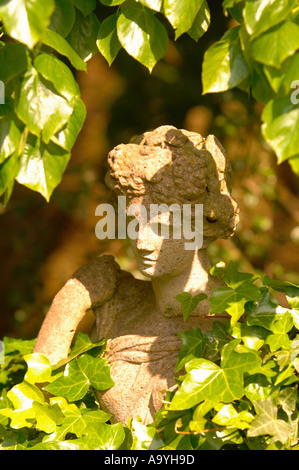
pixel 142 35
pixel 81 345
pixel 85 6
pixel 206 380
pixel 189 302
pixel 252 336
pixel 181 15
pixel 229 416
pixel 275 45
pixel 107 41
pixel 10 131
pixel 153 4
pixel 289 288
pixel 57 73
pixel 201 22
pixel 26 20
pixel 259 16
pixel 107 437
pixel 281 127
pixel 40 107
pixel 144 437
pixel 15 57
pixel 42 166
pixel 8 171
pixel 79 374
pixel 18 345
pixel 224 66
pixel 266 422
pixel 84 35
pixel 57 42
pixel 63 17
pixel 39 368
pixel 67 136
pixel 76 421
pixel 193 346
pixel 111 3
pixel 226 299
pixel 47 416
pixel 281 79
pixel 268 314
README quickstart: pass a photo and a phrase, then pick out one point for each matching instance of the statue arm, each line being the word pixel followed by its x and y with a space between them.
pixel 91 285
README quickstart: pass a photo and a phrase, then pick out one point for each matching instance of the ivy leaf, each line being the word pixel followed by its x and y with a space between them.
pixel 107 437
pixel 266 421
pixel 57 42
pixel 47 416
pixel 39 368
pixel 189 302
pixel 40 107
pixel 181 15
pixel 84 35
pixel 206 380
pixel 79 374
pixel 233 69
pixel 82 345
pixel 193 346
pixel 26 20
pixel 281 127
pixel 276 44
pixel 42 166
pixel 268 314
pixel 142 35
pixel 259 16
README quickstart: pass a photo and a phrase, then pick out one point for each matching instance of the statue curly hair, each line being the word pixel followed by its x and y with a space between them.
pixel 169 166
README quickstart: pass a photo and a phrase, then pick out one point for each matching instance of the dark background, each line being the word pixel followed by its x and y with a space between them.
pixel 42 244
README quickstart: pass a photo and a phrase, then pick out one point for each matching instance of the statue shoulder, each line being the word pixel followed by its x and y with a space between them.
pixel 99 277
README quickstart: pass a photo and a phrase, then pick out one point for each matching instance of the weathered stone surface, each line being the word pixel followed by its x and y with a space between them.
pixel 140 319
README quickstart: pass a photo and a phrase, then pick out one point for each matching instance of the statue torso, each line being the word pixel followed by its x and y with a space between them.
pixel 142 349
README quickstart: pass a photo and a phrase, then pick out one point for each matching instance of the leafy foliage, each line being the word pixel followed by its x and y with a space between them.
pixel 238 388
pixel 43 41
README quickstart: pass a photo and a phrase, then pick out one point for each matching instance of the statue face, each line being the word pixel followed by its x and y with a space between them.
pixel 157 251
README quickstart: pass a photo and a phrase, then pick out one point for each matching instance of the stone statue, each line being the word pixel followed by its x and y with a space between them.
pixel 140 319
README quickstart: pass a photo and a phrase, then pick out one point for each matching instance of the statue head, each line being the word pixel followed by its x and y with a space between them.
pixel 174 167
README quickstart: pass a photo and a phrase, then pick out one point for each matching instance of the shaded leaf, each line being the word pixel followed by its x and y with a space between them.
pixel 84 35
pixel 63 18
pixel 193 346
